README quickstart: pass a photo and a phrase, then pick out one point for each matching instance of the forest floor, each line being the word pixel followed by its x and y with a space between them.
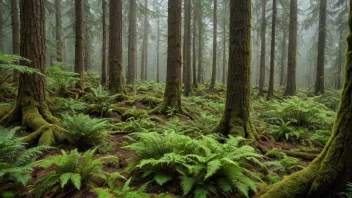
pixel 292 132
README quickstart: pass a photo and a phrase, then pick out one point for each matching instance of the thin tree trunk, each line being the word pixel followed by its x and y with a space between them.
pixel 224 44
pixel 187 48
pixel 200 43
pixel 15 28
pixel 283 56
pixel 158 51
pixel 339 64
pixel 79 47
pixel 145 40
pixel 103 63
pixel 236 117
pixel 172 94
pixel 194 60
pixel 132 44
pixel 213 74
pixel 272 54
pixel 58 31
pixel 319 82
pixel 263 50
pixel 116 80
pixel 292 52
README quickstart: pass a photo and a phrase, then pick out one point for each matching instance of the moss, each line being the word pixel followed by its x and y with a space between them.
pixel 156 119
pixel 5 109
pixel 121 97
pixel 120 110
pixel 89 98
pixel 151 101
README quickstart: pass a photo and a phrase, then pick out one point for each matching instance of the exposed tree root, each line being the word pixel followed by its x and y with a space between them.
pixel 237 127
pixel 38 118
pixel 301 155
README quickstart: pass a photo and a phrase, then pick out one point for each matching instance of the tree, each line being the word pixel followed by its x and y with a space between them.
pixel 79 46
pixel 200 77
pixel 224 43
pixel 15 28
pixel 116 84
pixel 272 53
pixel 236 117
pixel 132 44
pixel 331 170
pixel 262 50
pixel 172 94
pixel 103 62
pixel 213 74
pixel 58 31
pixel 292 51
pixel 158 50
pixel 31 106
pixel 144 61
pixel 319 87
pixel 187 67
pixel 194 37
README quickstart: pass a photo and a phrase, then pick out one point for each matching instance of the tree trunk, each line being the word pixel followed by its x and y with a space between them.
pixel 272 53
pixel 58 31
pixel 116 84
pixel 79 47
pixel 319 82
pixel 331 170
pixel 158 51
pixel 283 56
pixel 31 107
pixel 200 43
pixel 194 60
pixel 15 33
pixel 236 117
pixel 187 49
pixel 339 64
pixel 132 44
pixel 292 52
pixel 224 44
pixel 213 74
pixel 172 94
pixel 145 40
pixel 103 62
pixel 263 50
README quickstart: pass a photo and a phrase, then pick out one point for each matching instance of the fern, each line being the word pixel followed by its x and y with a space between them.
pixel 200 165
pixel 8 63
pixel 69 106
pixel 84 131
pixel 15 160
pixel 348 192
pixel 134 125
pixel 70 170
pixel 102 100
pixel 135 113
pixel 60 80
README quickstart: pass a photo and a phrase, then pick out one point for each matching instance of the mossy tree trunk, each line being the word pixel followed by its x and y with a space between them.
pixel 292 51
pixel 31 108
pixel 79 46
pixel 332 169
pixel 172 94
pixel 236 117
pixel 215 31
pixel 103 62
pixel 262 50
pixel 320 76
pixel 116 80
pixel 187 66
pixel 272 52
pixel 132 44
pixel 58 31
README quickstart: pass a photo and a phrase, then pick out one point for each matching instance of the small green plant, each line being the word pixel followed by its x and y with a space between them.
pixel 85 132
pixel 70 171
pixel 102 100
pixel 171 112
pixel 8 63
pixel 133 125
pixel 348 192
pixel 284 164
pixel 135 113
pixel 69 106
pixel 60 80
pixel 287 132
pixel 202 167
pixel 15 160
pixel 321 136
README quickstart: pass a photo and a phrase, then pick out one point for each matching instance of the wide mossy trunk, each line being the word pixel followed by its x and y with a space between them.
pixel 236 118
pixel 332 169
pixel 31 108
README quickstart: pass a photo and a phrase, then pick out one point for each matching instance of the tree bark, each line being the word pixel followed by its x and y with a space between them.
pixel 331 170
pixel 272 53
pixel 213 74
pixel 116 84
pixel 31 107
pixel 158 50
pixel 172 94
pixel 224 44
pixel 200 44
pixel 194 60
pixel 292 52
pixel 145 43
pixel 15 28
pixel 103 62
pixel 319 82
pixel 263 50
pixel 339 64
pixel 283 56
pixel 236 117
pixel 58 31
pixel 79 46
pixel 132 44
pixel 187 49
